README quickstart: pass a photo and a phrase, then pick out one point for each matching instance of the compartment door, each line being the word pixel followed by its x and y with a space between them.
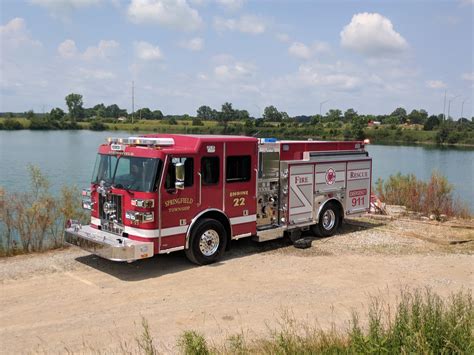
pixel 301 185
pixel 359 177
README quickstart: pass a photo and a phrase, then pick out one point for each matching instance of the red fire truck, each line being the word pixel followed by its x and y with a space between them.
pixel 160 193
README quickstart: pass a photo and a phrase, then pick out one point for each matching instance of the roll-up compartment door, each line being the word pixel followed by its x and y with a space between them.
pixel 359 177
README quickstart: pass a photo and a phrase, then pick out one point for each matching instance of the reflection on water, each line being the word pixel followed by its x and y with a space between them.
pixel 67 157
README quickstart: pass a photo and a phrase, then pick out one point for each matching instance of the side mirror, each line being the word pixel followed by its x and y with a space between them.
pixel 179 173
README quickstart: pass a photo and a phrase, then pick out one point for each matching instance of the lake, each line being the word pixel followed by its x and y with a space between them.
pixel 67 157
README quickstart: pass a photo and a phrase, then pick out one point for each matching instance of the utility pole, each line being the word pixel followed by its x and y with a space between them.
pixel 462 107
pixel 444 106
pixel 133 100
pixel 449 103
pixel 321 107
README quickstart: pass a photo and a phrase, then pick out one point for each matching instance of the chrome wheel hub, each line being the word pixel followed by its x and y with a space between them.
pixel 209 242
pixel 329 219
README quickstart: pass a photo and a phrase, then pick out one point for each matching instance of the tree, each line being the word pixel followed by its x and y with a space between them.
pixel 157 115
pixel 227 114
pixel 358 126
pixel 417 117
pixel 432 122
pixel 242 115
pixel 144 113
pixel 112 111
pixel 205 113
pixel 285 116
pixel 400 114
pixel 56 114
pixel 30 114
pixel 334 115
pixel 74 104
pixel 350 115
pixel 197 122
pixel 443 133
pixel 99 110
pixel 272 114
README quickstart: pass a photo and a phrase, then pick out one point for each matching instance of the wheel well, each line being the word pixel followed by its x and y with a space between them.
pixel 338 205
pixel 218 216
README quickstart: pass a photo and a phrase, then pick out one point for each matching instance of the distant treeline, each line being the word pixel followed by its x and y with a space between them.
pixel 399 126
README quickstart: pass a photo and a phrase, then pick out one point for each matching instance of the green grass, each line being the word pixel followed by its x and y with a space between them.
pixel 327 131
pixel 421 323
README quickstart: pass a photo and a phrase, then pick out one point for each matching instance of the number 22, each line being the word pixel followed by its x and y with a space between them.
pixel 239 202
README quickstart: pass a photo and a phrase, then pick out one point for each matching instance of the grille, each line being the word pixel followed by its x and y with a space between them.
pixel 111 222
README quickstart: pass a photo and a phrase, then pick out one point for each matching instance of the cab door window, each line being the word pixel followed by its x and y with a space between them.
pixel 210 170
pixel 238 168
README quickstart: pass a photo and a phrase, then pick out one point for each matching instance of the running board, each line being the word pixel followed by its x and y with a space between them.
pixel 269 234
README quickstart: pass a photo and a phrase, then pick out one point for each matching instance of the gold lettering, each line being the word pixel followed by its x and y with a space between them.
pixel 179 201
pixel 238 193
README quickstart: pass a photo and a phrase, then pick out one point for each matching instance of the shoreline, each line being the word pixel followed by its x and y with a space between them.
pixel 147 130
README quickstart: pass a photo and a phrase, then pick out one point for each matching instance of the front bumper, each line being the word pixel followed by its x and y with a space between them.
pixel 107 245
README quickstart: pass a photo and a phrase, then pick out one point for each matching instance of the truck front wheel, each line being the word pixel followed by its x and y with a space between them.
pixel 329 220
pixel 207 242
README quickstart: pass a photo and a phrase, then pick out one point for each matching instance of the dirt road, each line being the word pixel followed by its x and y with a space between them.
pixel 71 300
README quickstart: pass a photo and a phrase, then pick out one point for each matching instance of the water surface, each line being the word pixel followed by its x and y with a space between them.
pixel 67 157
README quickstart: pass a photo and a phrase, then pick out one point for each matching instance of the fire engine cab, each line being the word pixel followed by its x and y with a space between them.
pixel 160 193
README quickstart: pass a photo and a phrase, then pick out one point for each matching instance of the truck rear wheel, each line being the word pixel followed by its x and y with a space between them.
pixel 207 242
pixel 329 220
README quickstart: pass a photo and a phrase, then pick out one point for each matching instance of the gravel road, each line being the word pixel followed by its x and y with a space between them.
pixel 70 300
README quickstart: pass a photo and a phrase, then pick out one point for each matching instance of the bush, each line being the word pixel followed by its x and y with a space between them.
pixel 97 126
pixel 34 220
pixel 433 197
pixel 197 122
pixel 193 343
pixel 11 125
pixel 423 323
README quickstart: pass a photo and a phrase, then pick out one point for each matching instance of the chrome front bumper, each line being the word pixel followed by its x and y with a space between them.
pixel 107 245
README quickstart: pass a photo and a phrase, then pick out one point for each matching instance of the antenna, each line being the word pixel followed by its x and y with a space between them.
pixel 133 100
pixel 444 105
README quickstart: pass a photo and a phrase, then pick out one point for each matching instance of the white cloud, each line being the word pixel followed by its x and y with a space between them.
pixel 67 49
pixel 468 76
pixel 435 84
pixel 250 24
pixel 175 14
pixel 96 74
pixel 327 76
pixel 372 34
pixel 231 4
pixel 282 37
pixel 302 51
pixel 63 8
pixel 234 71
pixel 15 34
pixel 194 44
pixel 103 50
pixel 147 51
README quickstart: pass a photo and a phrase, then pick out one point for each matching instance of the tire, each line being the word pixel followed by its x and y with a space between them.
pixel 207 242
pixel 329 220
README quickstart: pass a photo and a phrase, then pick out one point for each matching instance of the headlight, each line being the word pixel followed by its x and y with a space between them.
pixel 143 203
pixel 87 204
pixel 140 217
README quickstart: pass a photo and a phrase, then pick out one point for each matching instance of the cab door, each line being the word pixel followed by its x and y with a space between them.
pixel 178 206
pixel 210 177
pixel 240 165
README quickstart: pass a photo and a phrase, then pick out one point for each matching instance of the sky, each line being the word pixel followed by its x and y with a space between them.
pixel 300 56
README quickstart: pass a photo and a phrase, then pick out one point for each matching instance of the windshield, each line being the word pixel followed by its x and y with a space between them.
pixel 130 173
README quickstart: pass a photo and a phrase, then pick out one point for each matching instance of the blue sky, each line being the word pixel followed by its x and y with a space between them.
pixel 372 56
